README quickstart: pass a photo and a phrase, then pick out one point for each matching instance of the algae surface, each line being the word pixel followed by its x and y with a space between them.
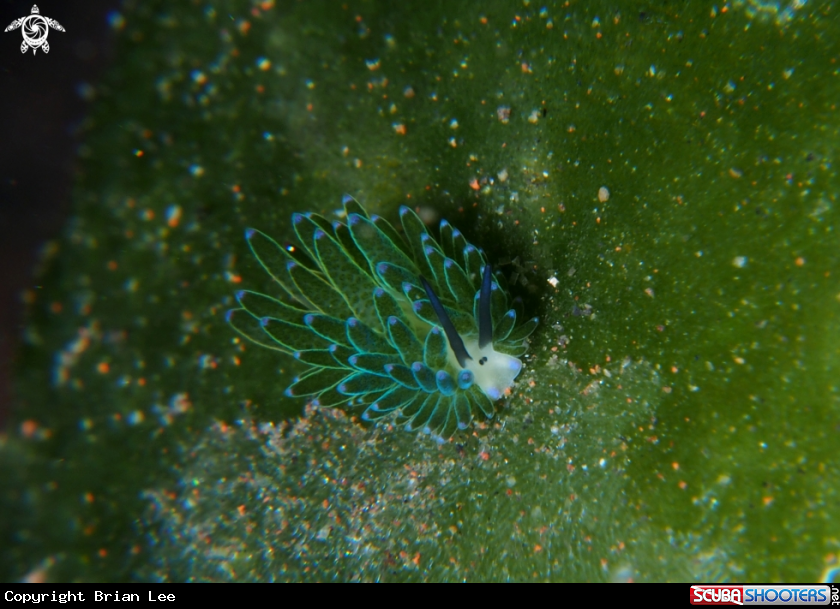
pixel 656 180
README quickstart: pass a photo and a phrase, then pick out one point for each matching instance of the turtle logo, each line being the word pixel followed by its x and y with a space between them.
pixel 35 28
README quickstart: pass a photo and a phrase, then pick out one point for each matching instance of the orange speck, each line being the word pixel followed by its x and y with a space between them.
pixel 675 465
pixel 112 265
pixel 103 552
pixel 683 484
pixel 800 261
pixel 325 504
pixel 537 548
pixel 474 184
pixel 603 194
pixel 399 128
pixel 141 381
pixel 767 501
pixel 260 89
pixel 483 20
pixel 416 559
pixel 484 455
pixel 55 307
pixel 173 216
pixel 236 188
pixel 28 428
pixel 309 107
pixel 103 368
pixel 89 497
pixel 241 510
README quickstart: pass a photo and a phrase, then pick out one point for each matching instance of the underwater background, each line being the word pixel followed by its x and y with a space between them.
pixel 656 181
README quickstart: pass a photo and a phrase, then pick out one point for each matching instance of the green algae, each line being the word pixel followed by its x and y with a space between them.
pixel 677 418
pixel 528 497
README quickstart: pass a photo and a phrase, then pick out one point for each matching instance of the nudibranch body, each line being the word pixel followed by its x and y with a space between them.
pixel 413 326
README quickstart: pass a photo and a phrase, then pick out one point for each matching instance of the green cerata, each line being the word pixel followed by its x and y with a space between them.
pixel 411 327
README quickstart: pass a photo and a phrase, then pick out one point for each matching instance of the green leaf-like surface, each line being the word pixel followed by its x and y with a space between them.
pixel 656 182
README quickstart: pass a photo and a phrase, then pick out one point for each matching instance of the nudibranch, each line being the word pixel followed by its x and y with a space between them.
pixel 414 327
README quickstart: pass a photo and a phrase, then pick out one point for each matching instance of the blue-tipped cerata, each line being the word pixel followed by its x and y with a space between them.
pixel 403 326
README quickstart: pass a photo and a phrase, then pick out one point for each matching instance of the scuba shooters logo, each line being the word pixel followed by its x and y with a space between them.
pixel 808 594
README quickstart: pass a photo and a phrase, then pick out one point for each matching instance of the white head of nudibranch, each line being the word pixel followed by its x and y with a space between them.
pixel 491 371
